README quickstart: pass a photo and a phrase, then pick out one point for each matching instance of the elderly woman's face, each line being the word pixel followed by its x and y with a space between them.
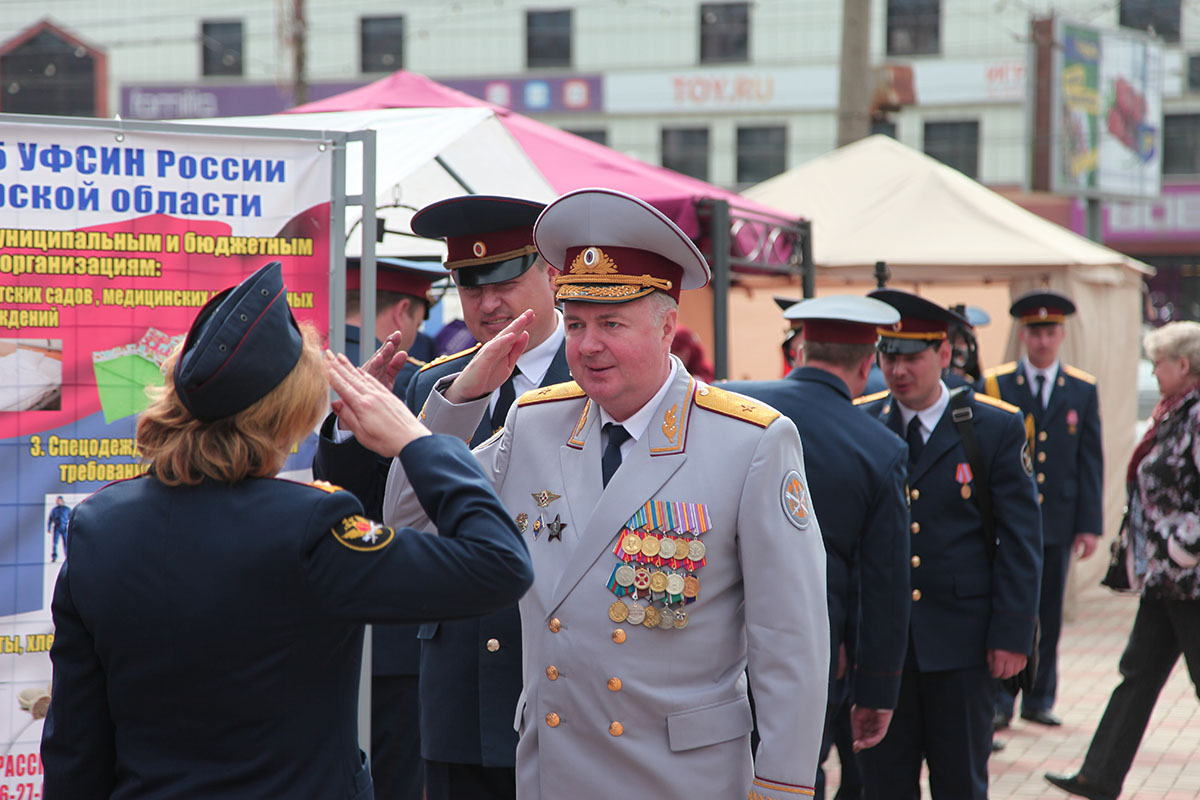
pixel 1172 373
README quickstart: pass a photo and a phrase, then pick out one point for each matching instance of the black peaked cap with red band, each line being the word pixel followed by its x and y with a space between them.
pixel 923 323
pixel 489 239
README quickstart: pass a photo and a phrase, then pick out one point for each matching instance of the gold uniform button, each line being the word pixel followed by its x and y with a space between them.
pixel 1041 436
pixel 916 594
pixel 1041 477
pixel 616 729
pixel 915 494
pixel 555 625
pixel 916 561
pixel 1039 497
pixel 618 635
pixel 552 672
pixel 614 684
pixel 1041 457
pixel 493 645
pixel 552 720
pixel 915 527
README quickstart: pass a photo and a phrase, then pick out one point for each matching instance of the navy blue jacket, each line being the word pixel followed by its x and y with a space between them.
pixel 208 639
pixel 856 472
pixel 394 648
pixel 469 693
pixel 1068 455
pixel 962 605
pixel 57 523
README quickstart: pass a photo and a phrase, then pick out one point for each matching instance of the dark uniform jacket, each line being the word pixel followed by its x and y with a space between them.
pixel 394 648
pixel 962 605
pixel 469 690
pixel 1068 455
pixel 856 473
pixel 208 639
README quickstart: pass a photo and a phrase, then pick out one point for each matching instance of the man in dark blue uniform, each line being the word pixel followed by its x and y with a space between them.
pixel 973 614
pixel 56 526
pixel 1062 411
pixel 402 301
pixel 857 470
pixel 471 669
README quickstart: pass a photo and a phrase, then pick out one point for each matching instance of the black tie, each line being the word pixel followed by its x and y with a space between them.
pixel 1040 380
pixel 612 451
pixel 915 443
pixel 508 393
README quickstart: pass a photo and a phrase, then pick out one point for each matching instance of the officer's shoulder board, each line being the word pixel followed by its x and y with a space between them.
pixel 1078 374
pixel 324 486
pixel 1003 369
pixel 418 362
pixel 871 398
pixel 733 405
pixel 997 402
pixel 448 357
pixel 547 394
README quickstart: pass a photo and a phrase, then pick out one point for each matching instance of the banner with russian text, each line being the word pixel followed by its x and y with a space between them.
pixel 110 242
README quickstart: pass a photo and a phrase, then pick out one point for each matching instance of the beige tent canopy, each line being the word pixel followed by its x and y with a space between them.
pixel 943 233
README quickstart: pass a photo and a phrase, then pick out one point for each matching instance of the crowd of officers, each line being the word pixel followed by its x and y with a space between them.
pixel 931 524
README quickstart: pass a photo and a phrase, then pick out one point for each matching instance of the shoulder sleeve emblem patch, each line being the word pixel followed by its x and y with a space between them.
pixel 794 498
pixel 360 533
pixel 1026 459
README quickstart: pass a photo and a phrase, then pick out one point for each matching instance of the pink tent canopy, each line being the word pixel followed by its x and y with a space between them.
pixel 567 161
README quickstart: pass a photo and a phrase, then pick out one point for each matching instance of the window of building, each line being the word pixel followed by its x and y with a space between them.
pixel 381 43
pixel 1181 144
pixel 221 48
pixel 1193 80
pixel 913 27
pixel 724 32
pixel 955 144
pixel 548 38
pixel 48 73
pixel 761 153
pixel 686 150
pixel 1159 16
pixel 599 136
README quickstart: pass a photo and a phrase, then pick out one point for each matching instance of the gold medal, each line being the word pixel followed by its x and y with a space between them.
pixel 965 492
pixel 696 550
pixel 522 521
pixel 618 611
pixel 653 617
pixel 637 614
pixel 651 546
pixel 675 584
pixel 668 620
pixel 681 619
pixel 631 543
pixel 625 575
pixel 658 581
pixel 691 586
pixel 666 548
pixel 641 578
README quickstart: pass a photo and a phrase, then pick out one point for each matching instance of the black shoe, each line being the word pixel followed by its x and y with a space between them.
pixel 1076 784
pixel 1043 717
pixel 1001 721
pixel 998 745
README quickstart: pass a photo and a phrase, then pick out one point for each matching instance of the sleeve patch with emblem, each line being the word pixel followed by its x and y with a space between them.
pixel 1026 459
pixel 360 533
pixel 794 498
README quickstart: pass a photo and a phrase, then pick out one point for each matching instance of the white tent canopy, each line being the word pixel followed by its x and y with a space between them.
pixel 422 155
pixel 878 200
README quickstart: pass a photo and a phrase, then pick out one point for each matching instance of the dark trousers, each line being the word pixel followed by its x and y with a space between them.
pixel 1056 561
pixel 839 734
pixel 396 767
pixel 448 781
pixel 944 719
pixel 58 534
pixel 1161 631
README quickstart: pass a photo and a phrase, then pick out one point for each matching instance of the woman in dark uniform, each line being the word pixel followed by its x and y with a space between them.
pixel 209 623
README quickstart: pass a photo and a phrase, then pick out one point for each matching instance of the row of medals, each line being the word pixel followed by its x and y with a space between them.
pixel 658 581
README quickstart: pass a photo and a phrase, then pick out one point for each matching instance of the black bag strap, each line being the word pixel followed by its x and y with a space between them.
pixel 963 418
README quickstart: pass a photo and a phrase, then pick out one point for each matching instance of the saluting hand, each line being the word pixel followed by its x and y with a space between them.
pixel 869 726
pixel 1005 663
pixel 387 361
pixel 368 409
pixel 494 362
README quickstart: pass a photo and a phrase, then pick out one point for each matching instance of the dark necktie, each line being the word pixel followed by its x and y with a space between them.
pixel 508 393
pixel 611 459
pixel 1040 380
pixel 915 443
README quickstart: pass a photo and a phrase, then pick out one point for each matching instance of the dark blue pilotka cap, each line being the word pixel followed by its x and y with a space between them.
pixel 243 343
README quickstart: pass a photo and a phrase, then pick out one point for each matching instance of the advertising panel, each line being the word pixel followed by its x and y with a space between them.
pixel 1106 120
pixel 110 242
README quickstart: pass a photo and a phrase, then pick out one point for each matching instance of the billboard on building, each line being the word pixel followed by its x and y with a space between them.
pixel 1106 112
pixel 111 240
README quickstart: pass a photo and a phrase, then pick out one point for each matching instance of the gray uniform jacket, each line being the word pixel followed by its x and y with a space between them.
pixel 609 705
